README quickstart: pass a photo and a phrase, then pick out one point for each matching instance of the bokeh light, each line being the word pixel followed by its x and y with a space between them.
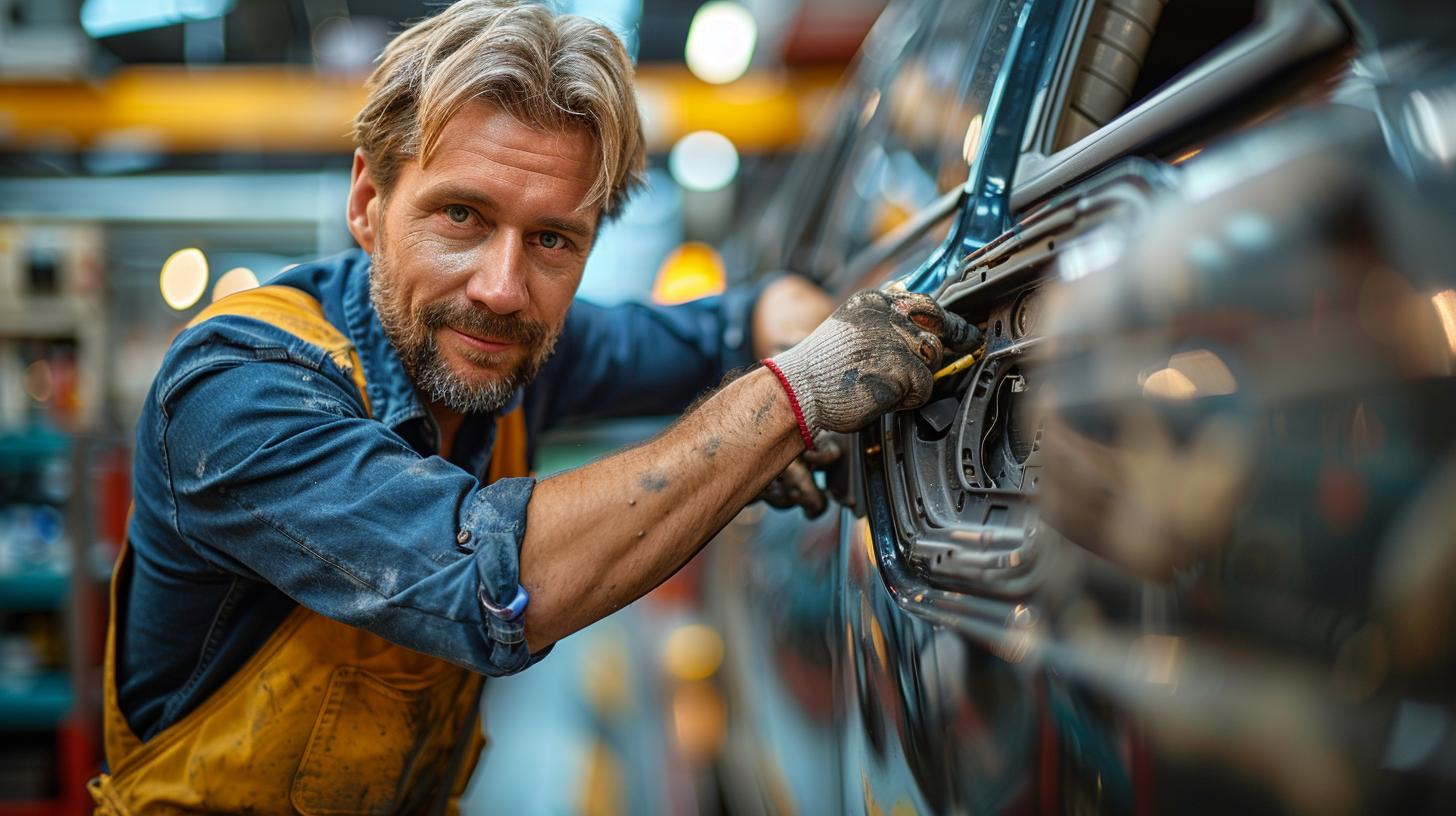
pixel 703 161
pixel 972 142
pixel 184 278
pixel 720 41
pixel 237 279
pixel 1445 303
pixel 38 380
pixel 699 720
pixel 693 652
pixel 693 270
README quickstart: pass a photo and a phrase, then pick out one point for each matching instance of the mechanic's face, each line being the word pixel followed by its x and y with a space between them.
pixel 477 255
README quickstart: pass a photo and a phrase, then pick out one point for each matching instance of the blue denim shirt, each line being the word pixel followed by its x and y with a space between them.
pixel 262 483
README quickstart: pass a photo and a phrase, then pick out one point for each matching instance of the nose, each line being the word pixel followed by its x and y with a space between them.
pixel 499 280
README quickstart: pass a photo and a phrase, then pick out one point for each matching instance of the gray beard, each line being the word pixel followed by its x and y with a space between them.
pixel 440 385
pixel 413 338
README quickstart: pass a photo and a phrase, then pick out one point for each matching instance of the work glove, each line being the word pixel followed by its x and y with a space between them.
pixel 876 353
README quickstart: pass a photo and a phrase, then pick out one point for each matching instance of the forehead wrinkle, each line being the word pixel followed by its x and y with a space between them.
pixel 475 167
pixel 546 163
pixel 547 147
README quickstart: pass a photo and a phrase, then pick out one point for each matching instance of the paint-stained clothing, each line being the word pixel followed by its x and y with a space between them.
pixel 324 717
pixel 262 482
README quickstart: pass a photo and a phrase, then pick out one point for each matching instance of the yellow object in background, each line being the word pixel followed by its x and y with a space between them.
pixel 228 108
pixel 693 652
pixel 693 270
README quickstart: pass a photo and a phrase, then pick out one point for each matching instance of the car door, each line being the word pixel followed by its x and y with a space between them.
pixel 871 203
pixel 990 663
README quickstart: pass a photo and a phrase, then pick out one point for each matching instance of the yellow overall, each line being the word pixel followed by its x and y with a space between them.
pixel 325 718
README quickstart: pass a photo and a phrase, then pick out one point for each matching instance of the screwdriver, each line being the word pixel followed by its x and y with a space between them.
pixel 960 365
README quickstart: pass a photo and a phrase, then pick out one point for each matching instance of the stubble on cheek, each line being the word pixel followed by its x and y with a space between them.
pixel 488 379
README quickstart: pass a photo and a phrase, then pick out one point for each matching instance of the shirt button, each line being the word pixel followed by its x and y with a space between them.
pixel 462 537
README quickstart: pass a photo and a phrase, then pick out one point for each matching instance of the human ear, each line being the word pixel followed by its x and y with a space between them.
pixel 364 199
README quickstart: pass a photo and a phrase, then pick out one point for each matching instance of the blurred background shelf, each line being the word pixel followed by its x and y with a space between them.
pixel 34 591
pixel 35 702
pixel 21 450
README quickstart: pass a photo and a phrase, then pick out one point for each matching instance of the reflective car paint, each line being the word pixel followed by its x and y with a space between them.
pixel 1094 688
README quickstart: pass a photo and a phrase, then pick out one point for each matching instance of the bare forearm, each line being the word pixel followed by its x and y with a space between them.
pixel 601 536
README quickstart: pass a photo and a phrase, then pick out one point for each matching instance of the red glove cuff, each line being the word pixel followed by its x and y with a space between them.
pixel 794 402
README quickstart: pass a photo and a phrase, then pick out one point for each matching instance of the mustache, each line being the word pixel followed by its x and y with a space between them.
pixel 528 333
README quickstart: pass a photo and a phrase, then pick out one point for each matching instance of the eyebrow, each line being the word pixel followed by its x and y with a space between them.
pixel 574 226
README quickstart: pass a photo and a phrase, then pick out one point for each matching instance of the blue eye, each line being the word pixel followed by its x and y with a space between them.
pixel 551 240
pixel 457 213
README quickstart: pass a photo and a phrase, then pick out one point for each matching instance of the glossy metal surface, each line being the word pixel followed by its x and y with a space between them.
pixel 1241 593
pixel 932 719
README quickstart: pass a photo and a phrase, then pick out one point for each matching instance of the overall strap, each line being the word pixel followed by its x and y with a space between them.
pixel 298 313
pixel 244 748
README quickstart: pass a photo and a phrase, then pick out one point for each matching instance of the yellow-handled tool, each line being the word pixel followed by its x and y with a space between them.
pixel 960 365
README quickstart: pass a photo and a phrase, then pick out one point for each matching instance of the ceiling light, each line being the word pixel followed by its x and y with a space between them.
pixel 184 278
pixel 720 42
pixel 108 18
pixel 703 161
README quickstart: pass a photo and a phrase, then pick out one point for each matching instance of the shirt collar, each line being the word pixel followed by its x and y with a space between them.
pixel 392 395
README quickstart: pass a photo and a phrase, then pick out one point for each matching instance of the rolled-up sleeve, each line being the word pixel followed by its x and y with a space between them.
pixel 278 474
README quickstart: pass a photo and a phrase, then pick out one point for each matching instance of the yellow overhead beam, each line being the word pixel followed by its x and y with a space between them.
pixel 287 109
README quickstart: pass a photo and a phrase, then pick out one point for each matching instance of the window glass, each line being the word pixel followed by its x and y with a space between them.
pixel 914 145
pixel 785 231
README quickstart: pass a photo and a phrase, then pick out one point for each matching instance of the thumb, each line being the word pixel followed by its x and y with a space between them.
pixel 922 382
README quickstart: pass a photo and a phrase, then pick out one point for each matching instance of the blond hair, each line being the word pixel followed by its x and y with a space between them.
pixel 551 72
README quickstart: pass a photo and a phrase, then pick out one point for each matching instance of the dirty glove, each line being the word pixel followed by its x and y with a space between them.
pixel 873 355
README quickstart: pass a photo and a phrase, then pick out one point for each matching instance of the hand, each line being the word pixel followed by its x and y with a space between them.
pixel 875 354
pixel 786 312
pixel 796 485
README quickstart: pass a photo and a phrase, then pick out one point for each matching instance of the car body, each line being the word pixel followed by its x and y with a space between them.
pixel 1178 539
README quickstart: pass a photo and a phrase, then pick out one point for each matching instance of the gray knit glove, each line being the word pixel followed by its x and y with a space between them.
pixel 875 354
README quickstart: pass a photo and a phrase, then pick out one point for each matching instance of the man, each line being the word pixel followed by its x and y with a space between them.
pixel 335 534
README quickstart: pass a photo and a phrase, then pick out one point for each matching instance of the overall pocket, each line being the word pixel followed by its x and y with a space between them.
pixel 365 746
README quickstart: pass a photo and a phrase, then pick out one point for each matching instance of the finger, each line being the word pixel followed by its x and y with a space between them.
pixel 917 307
pixel 827 450
pixel 929 349
pixel 915 313
pixel 869 300
pixel 775 494
pixel 922 382
pixel 799 481
pixel 924 312
pixel 814 503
